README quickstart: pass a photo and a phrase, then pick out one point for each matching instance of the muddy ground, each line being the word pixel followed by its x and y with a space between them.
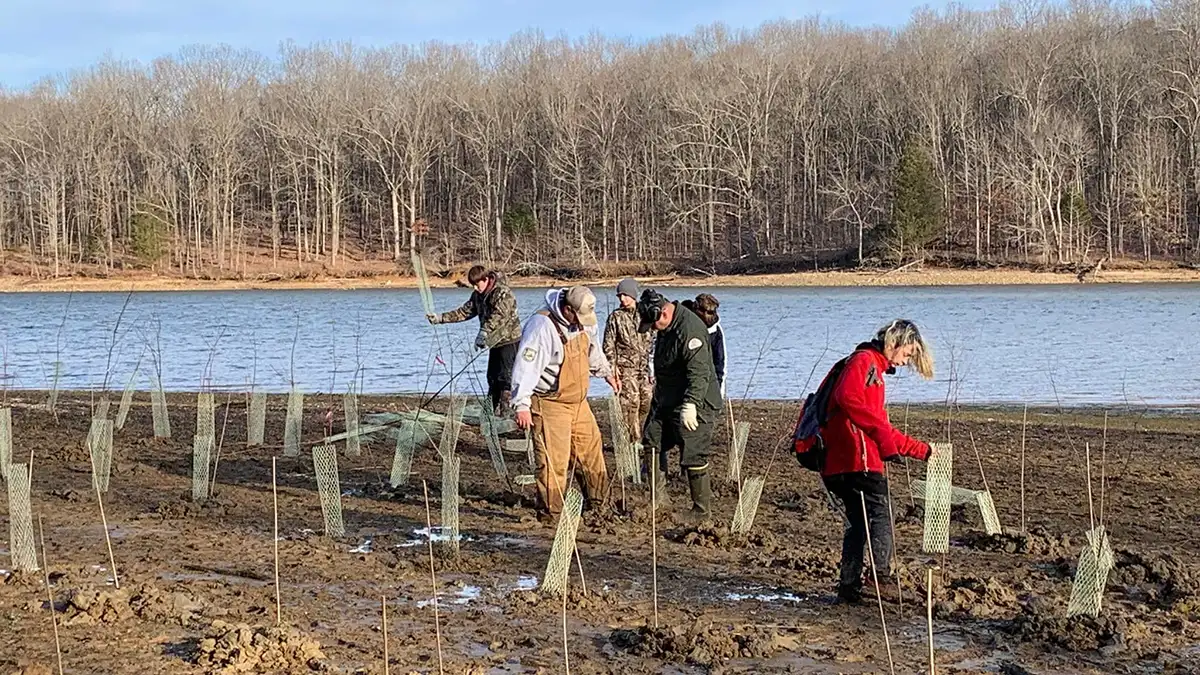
pixel 196 592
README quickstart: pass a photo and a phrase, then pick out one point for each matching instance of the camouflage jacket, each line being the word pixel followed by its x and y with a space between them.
pixel 497 312
pixel 625 347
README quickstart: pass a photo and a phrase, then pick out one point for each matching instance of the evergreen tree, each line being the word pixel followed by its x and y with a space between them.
pixel 916 217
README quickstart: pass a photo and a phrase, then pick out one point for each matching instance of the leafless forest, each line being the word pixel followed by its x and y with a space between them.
pixel 1054 135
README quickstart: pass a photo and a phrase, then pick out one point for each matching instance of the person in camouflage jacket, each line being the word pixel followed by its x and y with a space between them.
pixel 629 353
pixel 499 329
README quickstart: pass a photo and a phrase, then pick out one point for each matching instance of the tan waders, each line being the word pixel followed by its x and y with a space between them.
pixel 565 435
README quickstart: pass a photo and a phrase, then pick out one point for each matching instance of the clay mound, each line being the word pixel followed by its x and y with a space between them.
pixel 184 508
pixel 1037 542
pixel 228 648
pixel 977 598
pixel 530 603
pixel 812 564
pixel 703 644
pixel 1160 580
pixel 91 606
pixel 708 535
pixel 1109 633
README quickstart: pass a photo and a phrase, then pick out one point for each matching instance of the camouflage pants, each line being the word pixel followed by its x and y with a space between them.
pixel 635 396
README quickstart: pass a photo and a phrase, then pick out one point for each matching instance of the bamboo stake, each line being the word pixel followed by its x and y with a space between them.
pixel 275 508
pixel 50 595
pixel 654 531
pixel 433 578
pixel 386 665
pixel 875 575
pixel 929 617
pixel 1024 423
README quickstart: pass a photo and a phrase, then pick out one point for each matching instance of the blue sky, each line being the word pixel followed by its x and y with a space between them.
pixel 49 37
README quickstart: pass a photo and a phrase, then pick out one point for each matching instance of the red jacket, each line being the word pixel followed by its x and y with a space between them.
pixel 858 436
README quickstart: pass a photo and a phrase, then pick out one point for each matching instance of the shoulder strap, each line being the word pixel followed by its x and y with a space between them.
pixel 561 335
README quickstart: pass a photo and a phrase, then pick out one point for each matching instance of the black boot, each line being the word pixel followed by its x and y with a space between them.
pixel 700 485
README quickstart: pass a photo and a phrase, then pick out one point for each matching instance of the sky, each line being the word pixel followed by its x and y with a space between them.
pixel 41 38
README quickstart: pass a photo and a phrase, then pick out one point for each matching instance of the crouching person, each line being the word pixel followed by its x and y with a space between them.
pixel 858 438
pixel 557 354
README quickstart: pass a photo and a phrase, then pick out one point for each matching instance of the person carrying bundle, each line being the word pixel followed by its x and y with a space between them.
pixel 499 329
pixel 557 354
pixel 844 433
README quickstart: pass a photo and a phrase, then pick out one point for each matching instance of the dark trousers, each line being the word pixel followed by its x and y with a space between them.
pixel 852 489
pixel 499 372
pixel 664 430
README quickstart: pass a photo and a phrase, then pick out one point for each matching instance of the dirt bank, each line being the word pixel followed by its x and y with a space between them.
pixel 196 591
pixel 386 277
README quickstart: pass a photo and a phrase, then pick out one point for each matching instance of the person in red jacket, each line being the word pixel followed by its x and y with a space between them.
pixel 859 438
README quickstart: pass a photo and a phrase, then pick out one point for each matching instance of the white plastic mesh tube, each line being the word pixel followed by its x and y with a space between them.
pixel 329 487
pixel 938 491
pixel 554 580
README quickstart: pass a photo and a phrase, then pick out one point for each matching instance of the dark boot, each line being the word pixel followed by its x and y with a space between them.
pixel 504 405
pixel 700 485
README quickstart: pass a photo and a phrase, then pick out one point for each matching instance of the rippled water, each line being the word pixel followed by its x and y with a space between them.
pixel 1094 344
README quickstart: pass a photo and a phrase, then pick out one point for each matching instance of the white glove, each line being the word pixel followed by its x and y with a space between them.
pixel 480 340
pixel 687 415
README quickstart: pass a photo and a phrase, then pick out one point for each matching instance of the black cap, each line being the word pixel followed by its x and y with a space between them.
pixel 649 308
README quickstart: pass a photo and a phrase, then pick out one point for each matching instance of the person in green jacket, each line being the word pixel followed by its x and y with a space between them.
pixel 687 395
pixel 499 329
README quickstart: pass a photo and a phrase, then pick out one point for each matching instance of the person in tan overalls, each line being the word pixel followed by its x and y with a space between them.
pixel 557 355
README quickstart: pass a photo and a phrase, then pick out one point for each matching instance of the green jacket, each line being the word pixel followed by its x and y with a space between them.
pixel 683 365
pixel 497 312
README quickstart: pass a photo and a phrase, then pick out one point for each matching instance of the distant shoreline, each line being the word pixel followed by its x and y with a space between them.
pixel 930 276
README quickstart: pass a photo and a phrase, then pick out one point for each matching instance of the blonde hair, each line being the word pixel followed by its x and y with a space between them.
pixel 901 333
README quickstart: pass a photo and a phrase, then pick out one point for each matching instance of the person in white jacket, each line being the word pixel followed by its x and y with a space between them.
pixel 558 353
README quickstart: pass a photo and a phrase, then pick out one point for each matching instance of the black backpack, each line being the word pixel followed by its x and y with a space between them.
pixel 813 417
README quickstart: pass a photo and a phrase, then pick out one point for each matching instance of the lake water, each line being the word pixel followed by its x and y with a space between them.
pixel 1081 345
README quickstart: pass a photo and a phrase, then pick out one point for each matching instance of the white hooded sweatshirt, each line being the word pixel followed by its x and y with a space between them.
pixel 540 353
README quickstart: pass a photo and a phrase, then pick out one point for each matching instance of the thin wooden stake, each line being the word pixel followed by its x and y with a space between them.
pixel 437 627
pixel 908 472
pixel 112 561
pixel 387 669
pixel 733 441
pixel 892 520
pixel 212 488
pixel 1024 423
pixel 1103 461
pixel 979 459
pixel 50 595
pixel 875 574
pixel 929 617
pixel 275 508
pixel 566 654
pixel 1087 461
pixel 654 531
